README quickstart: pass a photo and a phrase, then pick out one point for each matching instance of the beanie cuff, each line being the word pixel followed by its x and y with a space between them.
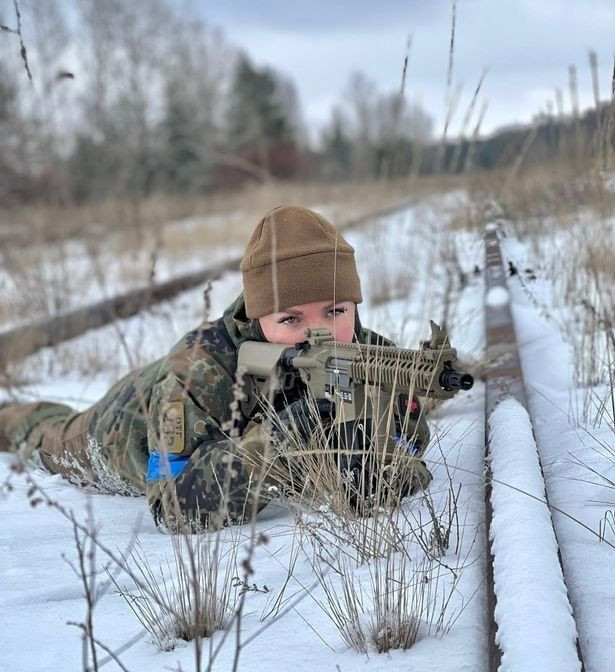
pixel 321 276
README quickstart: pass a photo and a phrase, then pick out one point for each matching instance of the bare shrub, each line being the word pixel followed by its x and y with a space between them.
pixel 398 602
pixel 85 568
pixel 191 595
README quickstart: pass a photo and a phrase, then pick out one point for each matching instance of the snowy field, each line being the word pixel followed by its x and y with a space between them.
pixel 40 281
pixel 43 280
pixel 403 261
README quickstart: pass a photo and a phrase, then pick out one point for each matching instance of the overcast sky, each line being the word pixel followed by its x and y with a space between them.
pixel 527 46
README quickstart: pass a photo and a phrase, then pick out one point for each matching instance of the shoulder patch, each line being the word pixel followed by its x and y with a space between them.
pixel 172 426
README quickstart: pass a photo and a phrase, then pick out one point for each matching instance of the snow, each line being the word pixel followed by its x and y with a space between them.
pixel 571 446
pixel 536 631
pixel 497 296
pixel 401 262
pixel 40 592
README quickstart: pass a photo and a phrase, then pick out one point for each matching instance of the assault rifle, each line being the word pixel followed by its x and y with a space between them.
pixel 362 381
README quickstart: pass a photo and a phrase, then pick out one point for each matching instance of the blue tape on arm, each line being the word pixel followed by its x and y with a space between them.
pixel 411 446
pixel 165 465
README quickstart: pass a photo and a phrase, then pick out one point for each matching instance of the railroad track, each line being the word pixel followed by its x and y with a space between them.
pixel 517 505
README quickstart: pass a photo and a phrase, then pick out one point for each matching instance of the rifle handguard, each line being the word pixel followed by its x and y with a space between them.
pixel 348 373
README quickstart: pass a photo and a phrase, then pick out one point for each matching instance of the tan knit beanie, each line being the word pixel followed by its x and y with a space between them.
pixel 309 258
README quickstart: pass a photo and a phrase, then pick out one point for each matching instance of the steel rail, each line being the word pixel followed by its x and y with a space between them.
pixel 504 379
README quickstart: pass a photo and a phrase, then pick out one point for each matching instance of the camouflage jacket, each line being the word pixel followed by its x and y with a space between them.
pixel 164 428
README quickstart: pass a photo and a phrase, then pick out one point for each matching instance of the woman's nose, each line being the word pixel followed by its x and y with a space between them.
pixel 317 323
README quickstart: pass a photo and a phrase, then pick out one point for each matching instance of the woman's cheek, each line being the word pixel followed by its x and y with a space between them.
pixel 343 331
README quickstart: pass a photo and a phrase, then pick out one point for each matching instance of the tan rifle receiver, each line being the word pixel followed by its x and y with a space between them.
pixel 360 380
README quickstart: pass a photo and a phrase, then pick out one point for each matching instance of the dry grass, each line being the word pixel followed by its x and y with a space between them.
pixel 565 213
pixel 6 310
pixel 188 597
pixel 535 197
pixel 317 473
pixel 65 250
pixel 383 578
pixel 48 222
pixel 395 605
pixel 377 558
pixel 574 247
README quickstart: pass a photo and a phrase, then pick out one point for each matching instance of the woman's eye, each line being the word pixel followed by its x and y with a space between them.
pixel 334 312
pixel 289 319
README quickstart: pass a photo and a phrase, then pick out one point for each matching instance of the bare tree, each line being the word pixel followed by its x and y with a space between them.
pixel 361 96
pixel 374 129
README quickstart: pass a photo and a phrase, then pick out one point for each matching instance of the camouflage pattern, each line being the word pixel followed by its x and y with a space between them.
pixel 183 406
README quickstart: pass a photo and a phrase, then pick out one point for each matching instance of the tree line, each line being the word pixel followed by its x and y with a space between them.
pixel 130 99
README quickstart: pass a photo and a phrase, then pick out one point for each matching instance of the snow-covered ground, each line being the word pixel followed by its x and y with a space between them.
pixel 44 280
pixel 401 260
pixel 571 448
pixel 37 282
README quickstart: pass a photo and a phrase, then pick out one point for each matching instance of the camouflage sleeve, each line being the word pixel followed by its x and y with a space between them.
pixel 412 423
pixel 217 485
pixel 184 413
pixel 196 474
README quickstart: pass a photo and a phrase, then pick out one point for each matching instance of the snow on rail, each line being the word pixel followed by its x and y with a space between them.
pixel 536 629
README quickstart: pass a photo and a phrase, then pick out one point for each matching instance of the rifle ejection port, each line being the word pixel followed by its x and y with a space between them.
pixel 338 383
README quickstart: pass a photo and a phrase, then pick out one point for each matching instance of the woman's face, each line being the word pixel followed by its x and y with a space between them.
pixel 288 326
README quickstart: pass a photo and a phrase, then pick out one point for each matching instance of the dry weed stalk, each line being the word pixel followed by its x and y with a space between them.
pixel 330 499
pixel 278 600
pixel 443 523
pixel 606 527
pixel 191 596
pixel 397 603
pixel 86 570
pixel 23 52
pixel 87 543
